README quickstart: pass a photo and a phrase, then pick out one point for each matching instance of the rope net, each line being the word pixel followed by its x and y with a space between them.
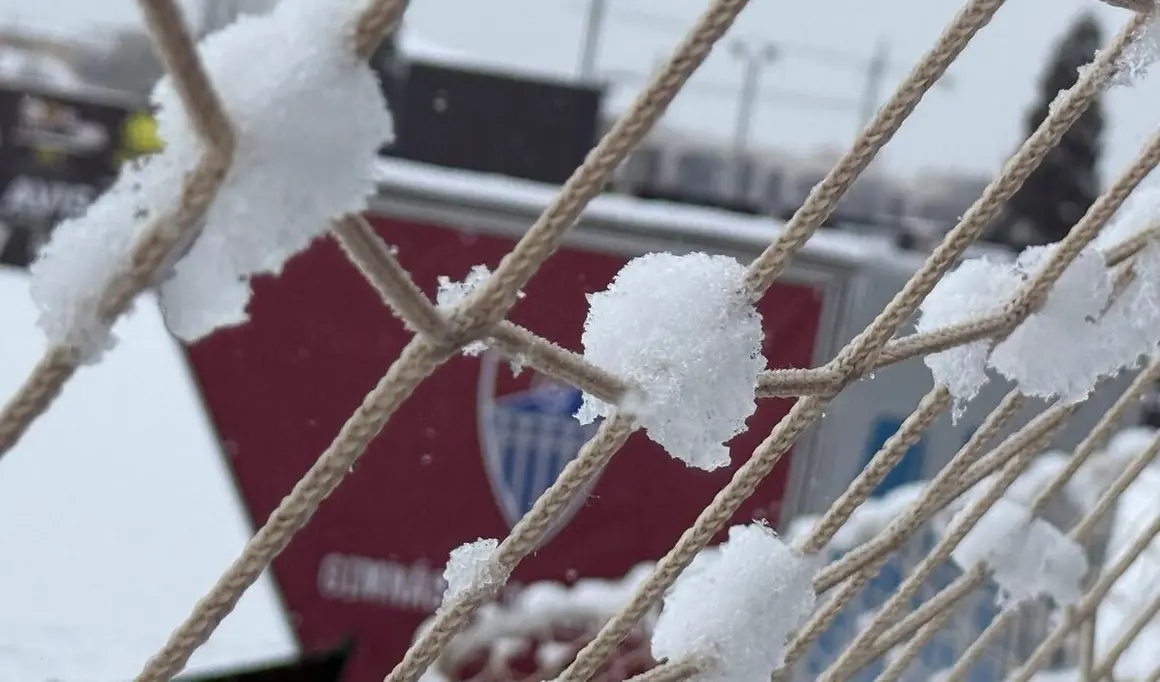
pixel 614 645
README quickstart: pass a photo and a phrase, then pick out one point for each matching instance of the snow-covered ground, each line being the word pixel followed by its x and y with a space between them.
pixel 117 512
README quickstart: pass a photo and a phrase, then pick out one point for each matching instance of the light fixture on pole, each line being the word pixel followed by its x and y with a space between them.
pixel 754 60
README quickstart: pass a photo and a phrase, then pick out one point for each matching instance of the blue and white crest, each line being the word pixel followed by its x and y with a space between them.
pixel 527 437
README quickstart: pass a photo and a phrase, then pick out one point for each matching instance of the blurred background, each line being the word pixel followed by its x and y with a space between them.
pixel 117 512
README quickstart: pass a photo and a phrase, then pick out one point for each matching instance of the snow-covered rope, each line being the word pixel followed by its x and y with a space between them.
pixel 479 316
pixel 859 353
pixel 165 233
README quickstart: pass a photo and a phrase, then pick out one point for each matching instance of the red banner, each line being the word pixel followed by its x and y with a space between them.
pixel 463 458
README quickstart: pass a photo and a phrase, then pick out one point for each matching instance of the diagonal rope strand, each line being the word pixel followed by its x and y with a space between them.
pixel 439 335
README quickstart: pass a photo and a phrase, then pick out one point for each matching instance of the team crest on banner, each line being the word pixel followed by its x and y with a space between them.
pixel 528 434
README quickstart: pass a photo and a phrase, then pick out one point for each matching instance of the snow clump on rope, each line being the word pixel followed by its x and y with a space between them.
pixel 732 611
pixel 309 119
pixel 682 330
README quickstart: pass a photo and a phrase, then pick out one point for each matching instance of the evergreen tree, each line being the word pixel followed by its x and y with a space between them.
pixel 1064 186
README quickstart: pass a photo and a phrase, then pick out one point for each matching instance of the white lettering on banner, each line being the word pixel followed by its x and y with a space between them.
pixel 38 198
pixel 411 587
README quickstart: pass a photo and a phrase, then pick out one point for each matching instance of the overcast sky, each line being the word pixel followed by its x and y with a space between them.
pixel 973 124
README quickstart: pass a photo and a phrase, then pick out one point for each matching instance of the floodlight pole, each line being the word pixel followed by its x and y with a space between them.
pixel 754 60
pixel 590 47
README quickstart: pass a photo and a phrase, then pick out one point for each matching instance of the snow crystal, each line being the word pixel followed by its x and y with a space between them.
pixel 1054 352
pixel 681 329
pixel 451 293
pixel 975 289
pixel 1063 349
pixel 735 609
pixel 469 568
pixel 1140 212
pixel 1139 55
pixel 543 607
pixel 309 119
pixel 1028 556
pixel 1131 326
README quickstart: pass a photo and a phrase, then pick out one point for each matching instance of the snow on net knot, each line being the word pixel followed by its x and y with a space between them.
pixel 972 291
pixel 309 120
pixel 470 568
pixel 682 330
pixel 1054 353
pixel 452 292
pixel 735 609
pixel 1059 352
pixel 1028 557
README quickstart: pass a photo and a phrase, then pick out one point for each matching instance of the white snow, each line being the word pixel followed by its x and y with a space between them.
pixel 117 512
pixel 1131 325
pixel 1055 352
pixel 1131 594
pixel 1140 54
pixel 970 292
pixel 452 292
pixel 309 120
pixel 1062 350
pixel 470 568
pixel 870 519
pixel 540 608
pixel 1139 212
pixel 735 609
pixel 682 330
pixel 1028 556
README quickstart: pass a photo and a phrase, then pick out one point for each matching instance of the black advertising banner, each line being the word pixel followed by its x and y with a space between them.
pixel 58 151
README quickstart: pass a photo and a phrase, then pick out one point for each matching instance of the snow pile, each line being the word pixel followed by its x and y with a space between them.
pixel 537 611
pixel 870 519
pixel 1051 353
pixel 469 569
pixel 1028 556
pixel 1141 53
pixel 1063 349
pixel 968 293
pixel 1139 212
pixel 735 610
pixel 1135 314
pixel 309 120
pixel 682 329
pixel 1131 594
pixel 452 292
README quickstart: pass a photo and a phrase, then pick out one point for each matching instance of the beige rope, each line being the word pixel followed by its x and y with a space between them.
pixel 494 297
pixel 1080 532
pixel 168 231
pixel 932 499
pixel 377 21
pixel 806 411
pixel 859 566
pixel 853 358
pixel 676 672
pixel 881 464
pixel 908 590
pixel 1086 606
pixel 898 667
pixel 824 197
pixel 420 357
pixel 1126 639
pixel 1082 529
pixel 480 317
pixel 418 360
